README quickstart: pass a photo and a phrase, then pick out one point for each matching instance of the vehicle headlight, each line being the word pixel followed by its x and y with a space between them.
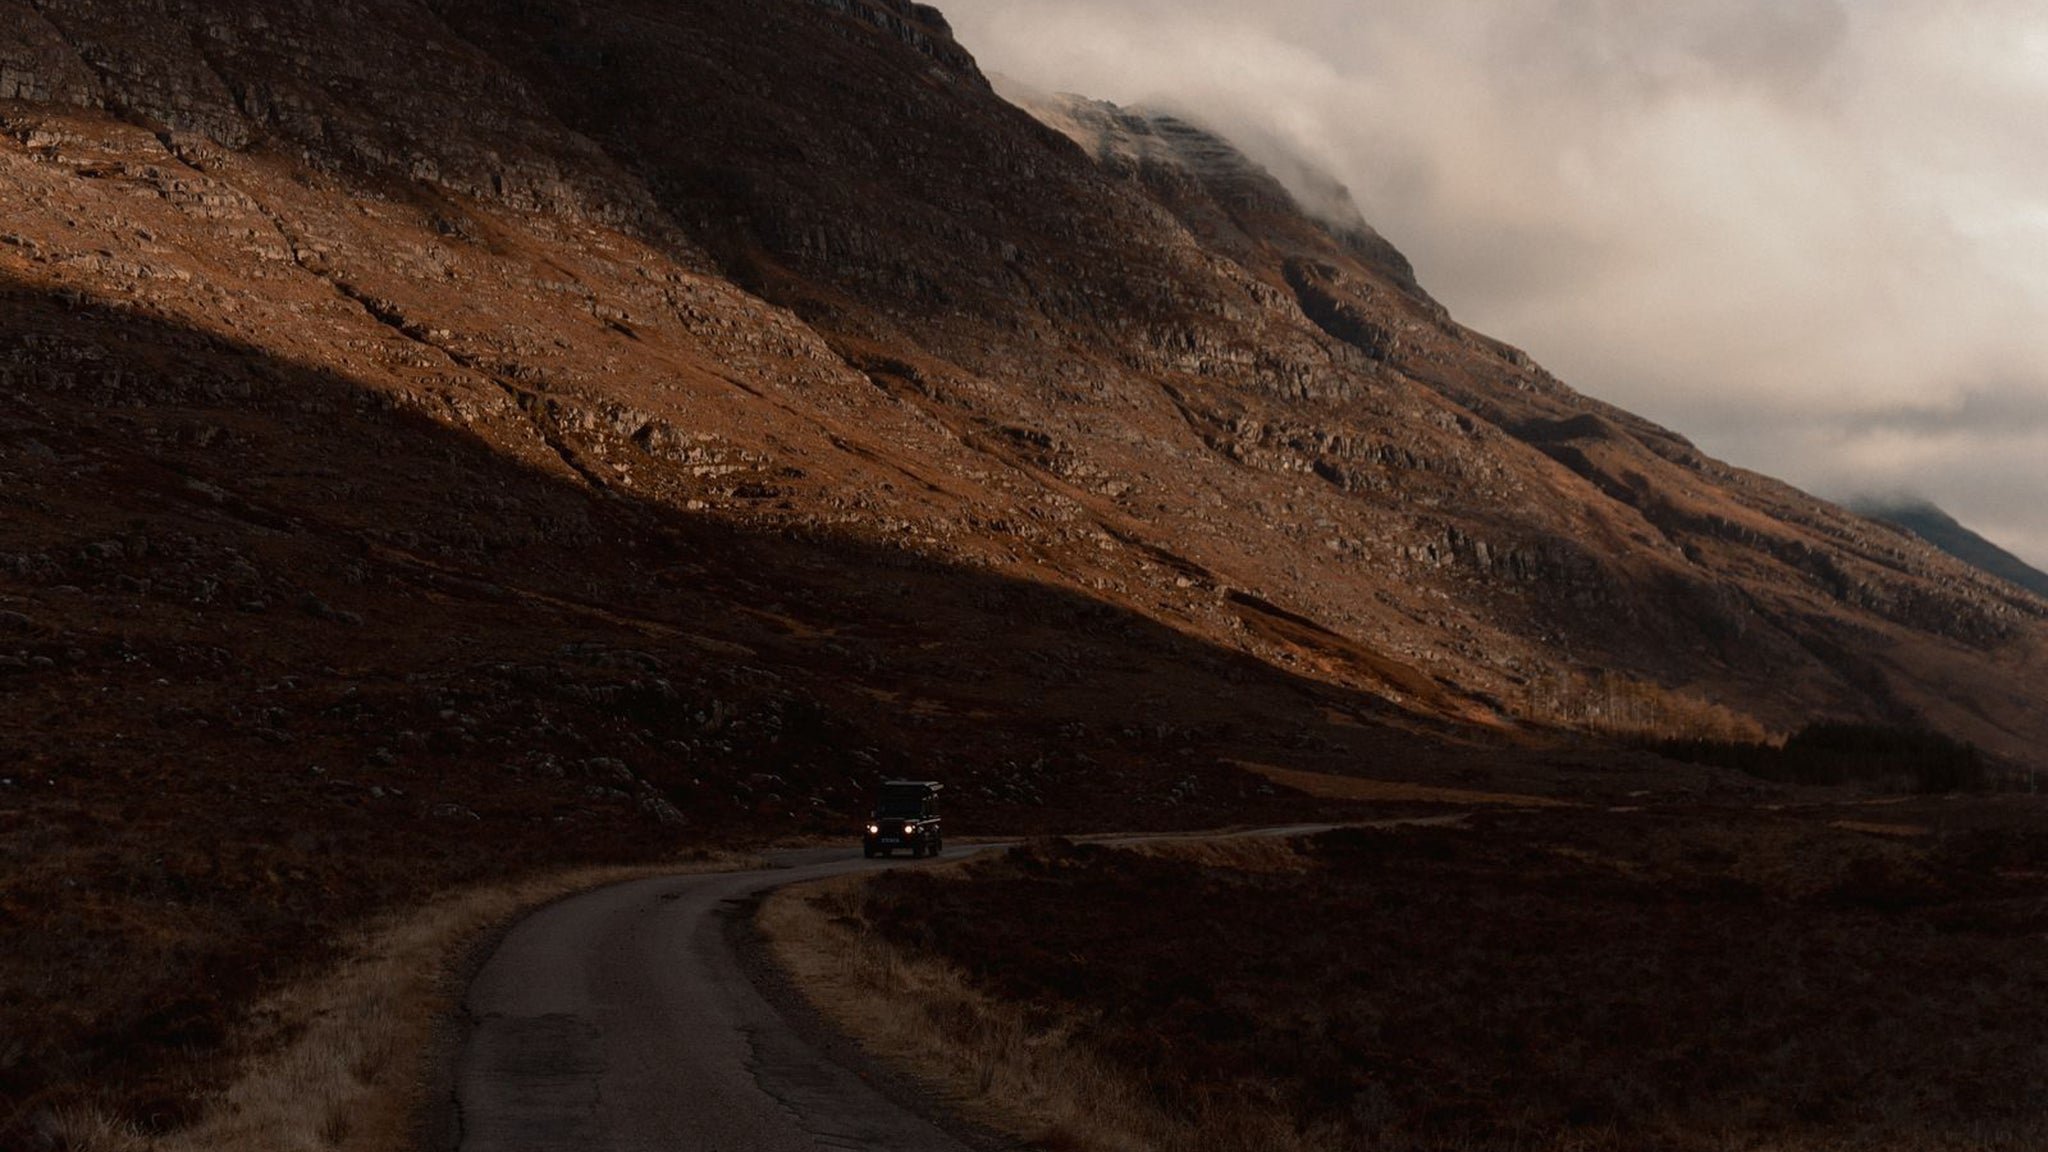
pixel 873 829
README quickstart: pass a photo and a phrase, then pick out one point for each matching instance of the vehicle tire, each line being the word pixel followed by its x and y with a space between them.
pixel 868 852
pixel 934 849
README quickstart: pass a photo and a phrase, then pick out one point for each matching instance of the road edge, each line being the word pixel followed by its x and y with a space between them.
pixel 777 987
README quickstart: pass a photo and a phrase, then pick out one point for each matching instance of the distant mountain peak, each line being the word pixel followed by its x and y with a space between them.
pixel 1157 144
pixel 1929 522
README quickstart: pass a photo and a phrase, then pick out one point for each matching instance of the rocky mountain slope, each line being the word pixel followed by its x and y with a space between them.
pixel 443 437
pixel 1268 404
pixel 1942 530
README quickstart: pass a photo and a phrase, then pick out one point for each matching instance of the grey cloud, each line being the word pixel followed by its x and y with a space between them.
pixel 1784 46
pixel 1990 415
pixel 1807 233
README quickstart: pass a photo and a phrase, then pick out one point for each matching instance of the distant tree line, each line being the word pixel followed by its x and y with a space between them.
pixel 1833 752
pixel 1613 704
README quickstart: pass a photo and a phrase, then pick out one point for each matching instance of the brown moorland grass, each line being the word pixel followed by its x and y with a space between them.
pixel 1876 829
pixel 1692 982
pixel 1329 786
pixel 340 1062
pixel 1011 1066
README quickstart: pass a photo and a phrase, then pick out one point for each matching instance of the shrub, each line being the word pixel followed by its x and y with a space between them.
pixel 1835 752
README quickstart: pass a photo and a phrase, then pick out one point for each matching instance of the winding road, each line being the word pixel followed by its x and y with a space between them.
pixel 623 1019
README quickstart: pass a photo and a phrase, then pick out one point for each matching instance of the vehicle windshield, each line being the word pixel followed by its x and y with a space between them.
pixel 901 807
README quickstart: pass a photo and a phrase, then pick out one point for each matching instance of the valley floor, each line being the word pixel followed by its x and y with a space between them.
pixel 1830 977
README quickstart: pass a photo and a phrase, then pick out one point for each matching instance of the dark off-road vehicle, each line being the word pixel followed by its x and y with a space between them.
pixel 906 816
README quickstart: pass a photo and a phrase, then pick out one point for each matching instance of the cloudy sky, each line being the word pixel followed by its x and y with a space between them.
pixel 1812 235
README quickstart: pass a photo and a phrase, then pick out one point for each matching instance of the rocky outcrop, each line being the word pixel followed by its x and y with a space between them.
pixel 37 65
pixel 920 26
pixel 408 99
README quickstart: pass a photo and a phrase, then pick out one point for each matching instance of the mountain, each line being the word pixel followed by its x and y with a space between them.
pixel 803 269
pixel 1271 403
pixel 446 438
pixel 1938 528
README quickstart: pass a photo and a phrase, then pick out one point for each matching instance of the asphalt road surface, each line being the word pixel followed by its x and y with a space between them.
pixel 622 1019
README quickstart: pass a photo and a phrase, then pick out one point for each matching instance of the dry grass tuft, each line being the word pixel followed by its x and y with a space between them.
pixel 1324 786
pixel 345 1056
pixel 1256 854
pixel 1907 831
pixel 1006 1065
pixel 90 1129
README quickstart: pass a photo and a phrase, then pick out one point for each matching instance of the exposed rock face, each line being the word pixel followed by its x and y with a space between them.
pixel 920 26
pixel 37 65
pixel 404 100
